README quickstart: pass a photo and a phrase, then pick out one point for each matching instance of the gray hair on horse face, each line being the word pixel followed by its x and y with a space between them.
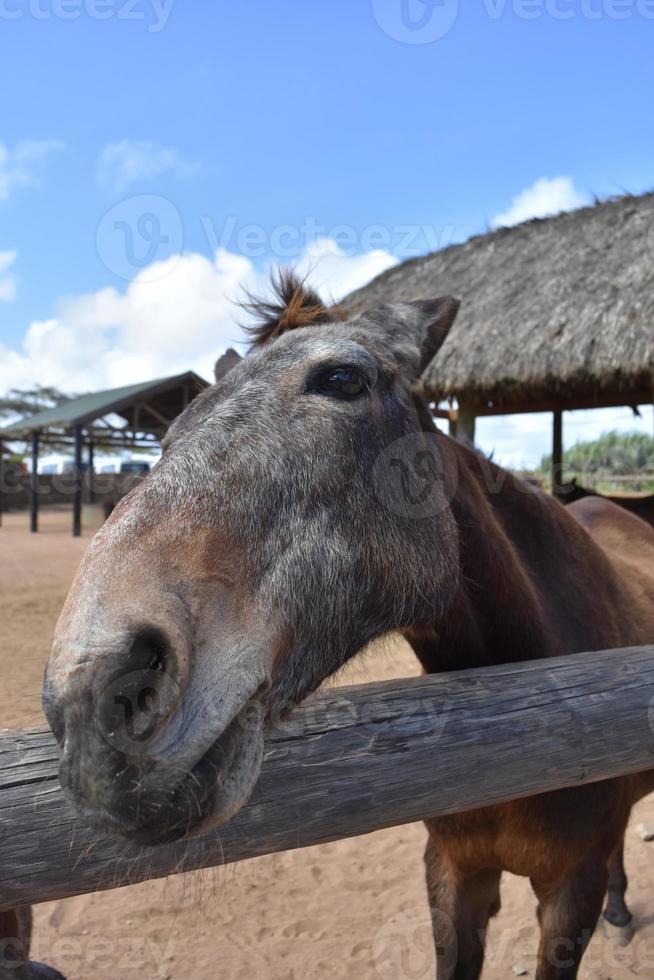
pixel 264 550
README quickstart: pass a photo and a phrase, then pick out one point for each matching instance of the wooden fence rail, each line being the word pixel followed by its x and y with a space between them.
pixel 354 760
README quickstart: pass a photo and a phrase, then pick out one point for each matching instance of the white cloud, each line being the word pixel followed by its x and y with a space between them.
pixel 335 274
pixel 180 315
pixel 183 315
pixel 129 161
pixel 7 281
pixel 19 167
pixel 545 197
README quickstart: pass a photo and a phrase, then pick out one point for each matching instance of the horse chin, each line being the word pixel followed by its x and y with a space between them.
pixel 231 768
pixel 215 789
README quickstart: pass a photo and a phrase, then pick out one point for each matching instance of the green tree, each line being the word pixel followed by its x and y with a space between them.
pixel 22 402
pixel 29 401
pixel 613 454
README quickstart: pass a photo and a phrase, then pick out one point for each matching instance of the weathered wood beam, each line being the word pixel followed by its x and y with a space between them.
pixel 77 492
pixel 354 760
pixel 466 423
pixel 91 471
pixel 535 403
pixel 34 484
pixel 154 413
pixel 556 475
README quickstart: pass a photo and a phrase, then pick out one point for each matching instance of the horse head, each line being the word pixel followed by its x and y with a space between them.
pixel 299 511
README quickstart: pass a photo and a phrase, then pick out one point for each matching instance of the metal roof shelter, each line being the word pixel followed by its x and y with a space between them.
pixel 147 410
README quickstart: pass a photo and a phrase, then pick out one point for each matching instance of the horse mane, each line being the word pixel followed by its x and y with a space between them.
pixel 293 304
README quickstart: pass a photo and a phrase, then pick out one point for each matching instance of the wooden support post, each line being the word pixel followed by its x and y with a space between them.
pixel 465 424
pixel 91 472
pixel 34 484
pixel 77 495
pixel 557 453
pixel 352 760
pixel 2 480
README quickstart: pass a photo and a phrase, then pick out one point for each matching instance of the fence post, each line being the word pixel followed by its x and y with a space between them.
pixel 557 452
pixel 77 498
pixel 34 484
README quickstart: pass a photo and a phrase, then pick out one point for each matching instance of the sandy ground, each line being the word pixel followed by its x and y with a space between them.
pixel 353 909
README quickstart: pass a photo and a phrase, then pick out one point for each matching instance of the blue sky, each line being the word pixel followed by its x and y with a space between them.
pixel 157 157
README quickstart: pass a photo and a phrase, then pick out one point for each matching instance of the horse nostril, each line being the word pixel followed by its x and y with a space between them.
pixel 149 651
pixel 137 703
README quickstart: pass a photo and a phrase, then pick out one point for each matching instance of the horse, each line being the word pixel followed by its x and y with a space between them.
pixel 15 936
pixel 304 506
pixel 642 505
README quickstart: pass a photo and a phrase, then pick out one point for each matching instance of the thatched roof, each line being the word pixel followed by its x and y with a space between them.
pixel 555 312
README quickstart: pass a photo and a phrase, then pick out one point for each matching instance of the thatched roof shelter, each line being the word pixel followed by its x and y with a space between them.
pixel 557 313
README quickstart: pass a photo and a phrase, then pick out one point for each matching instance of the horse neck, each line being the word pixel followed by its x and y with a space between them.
pixel 533 583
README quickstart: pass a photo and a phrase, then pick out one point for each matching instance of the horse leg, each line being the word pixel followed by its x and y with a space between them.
pixel 617 917
pixel 568 912
pixel 460 910
pixel 15 936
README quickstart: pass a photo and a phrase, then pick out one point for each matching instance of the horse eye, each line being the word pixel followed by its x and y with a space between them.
pixel 339 383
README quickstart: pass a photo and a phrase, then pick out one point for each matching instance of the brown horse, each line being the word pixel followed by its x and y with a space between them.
pixel 15 935
pixel 642 505
pixel 304 506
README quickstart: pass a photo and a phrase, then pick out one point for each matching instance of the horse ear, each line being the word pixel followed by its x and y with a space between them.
pixel 436 319
pixel 414 330
pixel 225 363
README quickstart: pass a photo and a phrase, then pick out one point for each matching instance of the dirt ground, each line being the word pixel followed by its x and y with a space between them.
pixel 352 909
